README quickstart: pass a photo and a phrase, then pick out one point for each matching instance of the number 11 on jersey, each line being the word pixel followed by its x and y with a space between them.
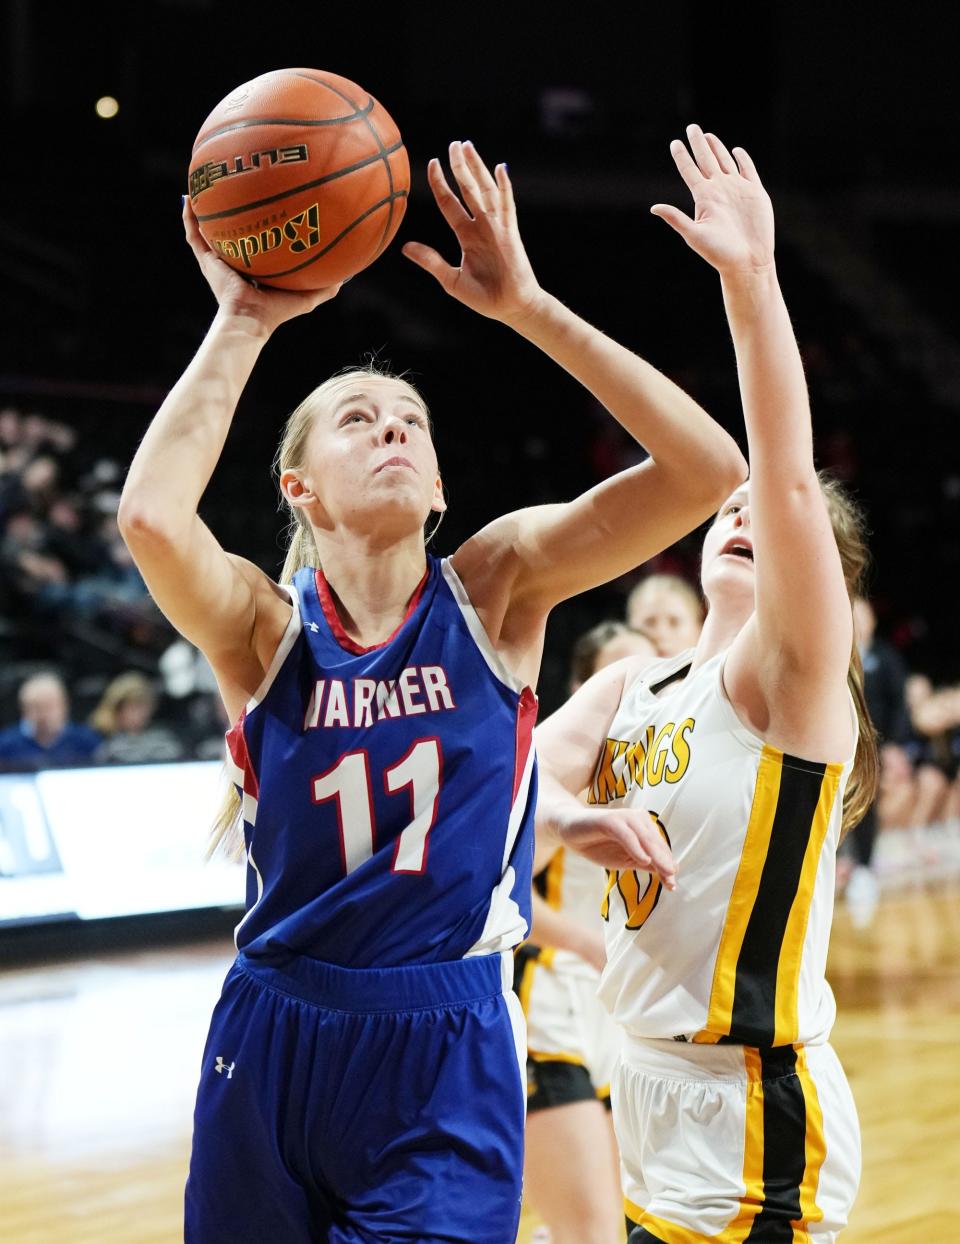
pixel 348 782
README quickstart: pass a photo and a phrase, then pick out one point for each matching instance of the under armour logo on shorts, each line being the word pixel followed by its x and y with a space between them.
pixel 222 1067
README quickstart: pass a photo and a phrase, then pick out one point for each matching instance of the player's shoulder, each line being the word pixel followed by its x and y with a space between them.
pixel 631 671
pixel 647 676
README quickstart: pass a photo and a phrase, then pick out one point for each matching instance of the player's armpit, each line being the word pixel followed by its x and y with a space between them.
pixel 556 551
pixel 223 604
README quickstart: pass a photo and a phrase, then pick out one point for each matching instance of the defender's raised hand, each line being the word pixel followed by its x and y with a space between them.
pixel 732 225
pixel 494 277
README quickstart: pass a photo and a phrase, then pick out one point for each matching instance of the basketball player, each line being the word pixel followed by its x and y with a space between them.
pixel 751 756
pixel 668 611
pixel 571 1171
pixel 362 1078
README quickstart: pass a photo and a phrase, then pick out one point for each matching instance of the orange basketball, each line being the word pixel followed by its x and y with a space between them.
pixel 299 178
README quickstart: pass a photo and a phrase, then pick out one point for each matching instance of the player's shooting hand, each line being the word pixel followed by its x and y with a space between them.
pixel 494 277
pixel 620 838
pixel 259 307
pixel 732 223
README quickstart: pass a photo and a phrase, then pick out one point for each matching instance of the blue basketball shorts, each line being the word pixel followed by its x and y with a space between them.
pixel 340 1104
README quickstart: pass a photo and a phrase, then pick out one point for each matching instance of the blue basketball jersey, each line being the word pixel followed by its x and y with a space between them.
pixel 388 792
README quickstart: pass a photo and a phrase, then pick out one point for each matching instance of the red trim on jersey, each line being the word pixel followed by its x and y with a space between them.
pixel 336 626
pixel 237 747
pixel 526 720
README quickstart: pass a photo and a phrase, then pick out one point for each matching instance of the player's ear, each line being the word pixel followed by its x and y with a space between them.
pixel 295 490
pixel 439 502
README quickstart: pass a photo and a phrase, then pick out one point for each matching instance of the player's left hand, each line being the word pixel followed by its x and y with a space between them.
pixel 620 838
pixel 732 223
pixel 494 277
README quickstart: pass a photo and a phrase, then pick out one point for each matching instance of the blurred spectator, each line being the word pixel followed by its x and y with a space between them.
pixel 124 717
pixel 186 671
pixel 61 554
pixel 936 718
pixel 884 686
pixel 116 593
pixel 28 567
pixel 189 680
pixel 208 725
pixel 45 736
pixel 668 611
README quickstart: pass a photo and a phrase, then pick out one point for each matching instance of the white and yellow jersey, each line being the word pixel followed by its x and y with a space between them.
pixel 573 886
pixel 558 990
pixel 738 951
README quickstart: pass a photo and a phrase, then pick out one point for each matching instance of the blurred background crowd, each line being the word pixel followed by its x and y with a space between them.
pixel 104 306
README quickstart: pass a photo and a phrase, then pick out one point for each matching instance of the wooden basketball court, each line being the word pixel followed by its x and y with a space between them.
pixel 99 1061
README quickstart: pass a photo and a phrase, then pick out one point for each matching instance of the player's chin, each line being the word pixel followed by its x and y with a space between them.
pixel 399 512
pixel 727 573
pixel 402 486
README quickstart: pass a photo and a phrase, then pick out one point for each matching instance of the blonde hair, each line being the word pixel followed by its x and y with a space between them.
pixel 667 583
pixel 849 530
pixel 123 688
pixel 226 834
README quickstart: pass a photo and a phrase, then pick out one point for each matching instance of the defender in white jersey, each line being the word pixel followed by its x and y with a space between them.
pixel 751 753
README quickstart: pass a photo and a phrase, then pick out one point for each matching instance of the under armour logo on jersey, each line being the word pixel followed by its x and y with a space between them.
pixel 313 627
pixel 222 1067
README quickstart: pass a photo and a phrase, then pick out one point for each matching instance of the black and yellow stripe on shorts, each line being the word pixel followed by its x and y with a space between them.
pixel 526 959
pixel 783 1152
pixel 755 990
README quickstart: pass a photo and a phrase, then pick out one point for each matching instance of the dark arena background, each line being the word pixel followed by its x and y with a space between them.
pixel 851 117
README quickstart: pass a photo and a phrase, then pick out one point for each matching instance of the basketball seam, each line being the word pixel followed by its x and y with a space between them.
pixel 386 228
pixel 307 185
pixel 363 115
pixel 268 276
pixel 254 121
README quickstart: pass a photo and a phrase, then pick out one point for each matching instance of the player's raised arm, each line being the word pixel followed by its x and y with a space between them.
pixel 556 551
pixel 225 605
pixel 798 646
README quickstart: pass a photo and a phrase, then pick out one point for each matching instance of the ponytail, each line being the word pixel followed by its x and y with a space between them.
pixel 865 778
pixel 301 551
pixel 849 529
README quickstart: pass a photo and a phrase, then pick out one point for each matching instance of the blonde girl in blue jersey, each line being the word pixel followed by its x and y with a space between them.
pixel 752 752
pixel 367 1135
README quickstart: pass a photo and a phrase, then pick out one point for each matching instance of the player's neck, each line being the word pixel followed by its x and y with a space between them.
pixel 721 627
pixel 371 586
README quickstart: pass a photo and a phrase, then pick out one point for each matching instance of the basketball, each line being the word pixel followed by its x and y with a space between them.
pixel 299 178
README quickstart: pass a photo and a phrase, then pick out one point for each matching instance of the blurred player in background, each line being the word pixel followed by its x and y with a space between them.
pixel 363 1073
pixel 668 611
pixel 571 1167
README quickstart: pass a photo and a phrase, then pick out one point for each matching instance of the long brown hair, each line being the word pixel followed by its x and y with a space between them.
pixel 849 530
pixel 583 656
pixel 226 834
